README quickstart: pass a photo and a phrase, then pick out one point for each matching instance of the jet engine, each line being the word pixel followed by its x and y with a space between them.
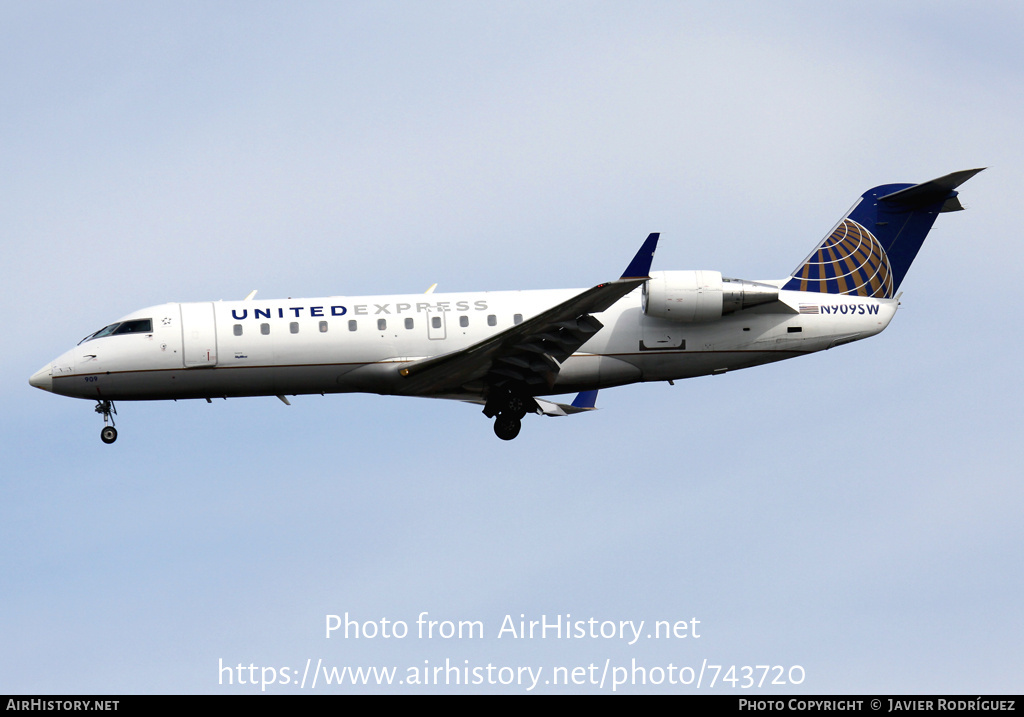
pixel 693 296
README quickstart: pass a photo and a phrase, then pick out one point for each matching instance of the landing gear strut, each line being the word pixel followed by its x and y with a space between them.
pixel 109 433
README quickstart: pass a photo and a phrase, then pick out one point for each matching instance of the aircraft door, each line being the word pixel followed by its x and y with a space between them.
pixel 436 328
pixel 198 335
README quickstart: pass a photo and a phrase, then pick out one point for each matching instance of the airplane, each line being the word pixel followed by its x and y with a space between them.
pixel 511 351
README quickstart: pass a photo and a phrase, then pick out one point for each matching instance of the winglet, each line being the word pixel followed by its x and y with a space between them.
pixel 640 267
pixel 585 400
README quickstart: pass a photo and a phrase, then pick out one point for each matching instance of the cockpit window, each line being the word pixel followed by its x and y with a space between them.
pixel 105 331
pixel 135 326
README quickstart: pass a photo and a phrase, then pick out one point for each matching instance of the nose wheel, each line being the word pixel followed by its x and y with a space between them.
pixel 109 433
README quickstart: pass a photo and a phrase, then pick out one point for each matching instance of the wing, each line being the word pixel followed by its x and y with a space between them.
pixel 527 356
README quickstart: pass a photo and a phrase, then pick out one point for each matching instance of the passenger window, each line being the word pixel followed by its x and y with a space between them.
pixel 492 320
pixel 463 321
pixel 265 329
pixel 238 329
pixel 323 327
pixel 517 319
pixel 382 324
pixel 408 323
pixel 294 327
pixel 352 325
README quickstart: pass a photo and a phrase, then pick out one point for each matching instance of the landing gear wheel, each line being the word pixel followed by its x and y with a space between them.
pixel 506 427
pixel 109 433
pixel 515 405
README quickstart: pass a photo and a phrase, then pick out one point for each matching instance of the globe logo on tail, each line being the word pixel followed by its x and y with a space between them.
pixel 850 261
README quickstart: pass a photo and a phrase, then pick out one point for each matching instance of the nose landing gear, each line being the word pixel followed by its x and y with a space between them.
pixel 109 433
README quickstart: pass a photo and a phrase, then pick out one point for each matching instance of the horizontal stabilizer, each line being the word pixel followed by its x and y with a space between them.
pixel 928 193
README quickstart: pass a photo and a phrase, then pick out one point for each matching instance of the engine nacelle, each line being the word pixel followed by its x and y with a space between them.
pixel 694 296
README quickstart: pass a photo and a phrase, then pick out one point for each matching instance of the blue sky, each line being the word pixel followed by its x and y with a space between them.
pixel 855 512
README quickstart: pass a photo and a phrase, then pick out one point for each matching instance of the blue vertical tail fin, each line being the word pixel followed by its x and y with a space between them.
pixel 870 250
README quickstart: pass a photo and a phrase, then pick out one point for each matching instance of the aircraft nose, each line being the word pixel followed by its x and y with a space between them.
pixel 43 378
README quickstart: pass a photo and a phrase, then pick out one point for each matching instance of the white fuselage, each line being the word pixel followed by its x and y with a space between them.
pixel 344 344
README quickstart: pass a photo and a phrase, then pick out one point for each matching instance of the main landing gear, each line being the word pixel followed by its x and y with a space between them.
pixel 109 433
pixel 506 426
pixel 508 409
